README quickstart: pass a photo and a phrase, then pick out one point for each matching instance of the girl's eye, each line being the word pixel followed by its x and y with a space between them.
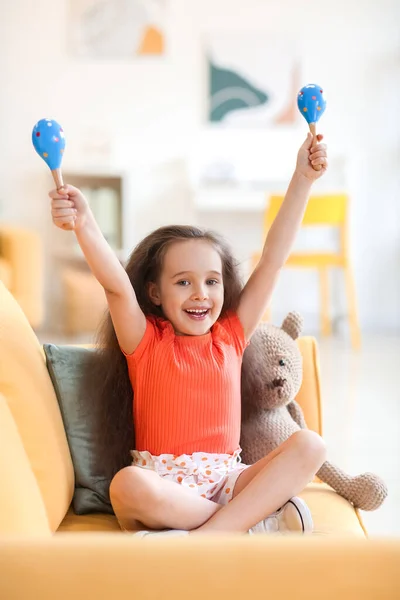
pixel 184 282
pixel 212 282
pixel 282 363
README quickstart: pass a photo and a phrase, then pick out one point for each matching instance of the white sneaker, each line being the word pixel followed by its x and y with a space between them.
pixel 167 532
pixel 293 517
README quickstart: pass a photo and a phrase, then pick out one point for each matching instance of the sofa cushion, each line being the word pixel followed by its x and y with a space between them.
pixel 96 523
pixel 66 366
pixel 27 387
pixel 332 515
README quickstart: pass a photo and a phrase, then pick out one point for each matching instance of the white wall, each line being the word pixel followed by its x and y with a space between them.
pixel 151 113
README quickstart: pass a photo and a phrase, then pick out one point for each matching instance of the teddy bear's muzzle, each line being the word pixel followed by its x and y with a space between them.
pixel 279 391
pixel 278 382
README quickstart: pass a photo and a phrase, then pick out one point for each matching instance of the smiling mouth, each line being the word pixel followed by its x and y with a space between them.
pixel 197 314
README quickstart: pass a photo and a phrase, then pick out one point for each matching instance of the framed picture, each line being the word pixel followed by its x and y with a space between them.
pixel 253 80
pixel 117 29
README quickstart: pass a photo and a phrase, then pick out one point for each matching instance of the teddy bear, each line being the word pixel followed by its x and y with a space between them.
pixel 271 379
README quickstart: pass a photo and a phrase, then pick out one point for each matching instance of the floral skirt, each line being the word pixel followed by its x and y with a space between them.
pixel 212 476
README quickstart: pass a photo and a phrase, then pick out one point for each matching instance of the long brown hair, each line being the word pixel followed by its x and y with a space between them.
pixel 108 380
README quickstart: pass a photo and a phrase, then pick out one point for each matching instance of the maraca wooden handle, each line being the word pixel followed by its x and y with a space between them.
pixel 58 180
pixel 313 129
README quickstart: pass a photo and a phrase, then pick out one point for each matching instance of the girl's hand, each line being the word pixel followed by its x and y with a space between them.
pixel 309 157
pixel 69 208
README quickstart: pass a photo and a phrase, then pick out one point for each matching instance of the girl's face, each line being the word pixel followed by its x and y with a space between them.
pixel 190 290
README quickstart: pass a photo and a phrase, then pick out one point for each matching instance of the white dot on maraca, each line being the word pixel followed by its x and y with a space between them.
pixel 49 124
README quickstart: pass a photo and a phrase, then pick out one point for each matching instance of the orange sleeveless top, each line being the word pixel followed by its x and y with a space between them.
pixel 187 388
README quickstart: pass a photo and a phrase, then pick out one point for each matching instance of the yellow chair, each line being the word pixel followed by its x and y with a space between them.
pixel 328 210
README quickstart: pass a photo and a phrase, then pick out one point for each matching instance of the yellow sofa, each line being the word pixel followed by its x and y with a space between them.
pixel 21 269
pixel 48 552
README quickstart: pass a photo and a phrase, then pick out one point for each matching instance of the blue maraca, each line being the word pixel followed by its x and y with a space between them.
pixel 49 142
pixel 312 104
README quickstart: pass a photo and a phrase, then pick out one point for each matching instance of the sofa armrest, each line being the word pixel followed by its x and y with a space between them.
pixel 5 272
pixel 235 567
pixel 22 250
pixel 22 510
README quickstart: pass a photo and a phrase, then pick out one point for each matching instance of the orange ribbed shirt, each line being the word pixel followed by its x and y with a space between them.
pixel 187 388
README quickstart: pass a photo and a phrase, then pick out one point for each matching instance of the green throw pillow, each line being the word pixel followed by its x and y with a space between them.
pixel 66 366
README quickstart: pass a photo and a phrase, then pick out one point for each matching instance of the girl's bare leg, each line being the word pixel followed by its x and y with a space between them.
pixel 268 484
pixel 142 499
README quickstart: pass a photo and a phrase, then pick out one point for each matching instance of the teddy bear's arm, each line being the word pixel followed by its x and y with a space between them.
pixel 296 413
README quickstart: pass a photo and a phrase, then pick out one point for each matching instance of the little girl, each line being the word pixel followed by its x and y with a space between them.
pixel 181 323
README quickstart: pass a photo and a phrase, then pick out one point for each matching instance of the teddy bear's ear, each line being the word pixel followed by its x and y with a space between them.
pixel 293 324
